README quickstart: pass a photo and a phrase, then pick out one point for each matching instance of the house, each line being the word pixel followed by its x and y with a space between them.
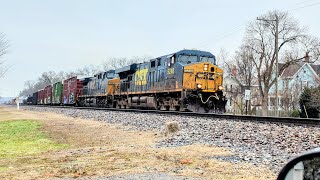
pixel 291 82
pixel 235 90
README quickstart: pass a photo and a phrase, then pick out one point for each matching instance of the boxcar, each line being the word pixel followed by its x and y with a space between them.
pixel 41 96
pixel 72 88
pixel 35 98
pixel 29 100
pixel 57 90
pixel 47 94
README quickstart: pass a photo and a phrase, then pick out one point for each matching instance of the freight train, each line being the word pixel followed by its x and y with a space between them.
pixel 187 80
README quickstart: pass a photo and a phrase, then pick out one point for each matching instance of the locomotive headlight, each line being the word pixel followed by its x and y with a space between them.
pixel 205 68
pixel 199 86
pixel 220 87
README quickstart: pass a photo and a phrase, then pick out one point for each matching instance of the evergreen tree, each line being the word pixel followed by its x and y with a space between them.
pixel 310 103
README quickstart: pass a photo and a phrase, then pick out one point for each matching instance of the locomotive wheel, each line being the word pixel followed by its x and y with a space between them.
pixel 164 108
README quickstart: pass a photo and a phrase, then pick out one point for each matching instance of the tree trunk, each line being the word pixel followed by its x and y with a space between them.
pixel 264 104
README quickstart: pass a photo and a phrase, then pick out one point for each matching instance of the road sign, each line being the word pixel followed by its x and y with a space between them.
pixel 247 94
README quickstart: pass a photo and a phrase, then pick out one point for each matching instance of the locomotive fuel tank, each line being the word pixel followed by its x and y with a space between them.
pixel 148 102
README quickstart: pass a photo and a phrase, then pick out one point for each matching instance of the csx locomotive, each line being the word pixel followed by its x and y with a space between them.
pixel 188 80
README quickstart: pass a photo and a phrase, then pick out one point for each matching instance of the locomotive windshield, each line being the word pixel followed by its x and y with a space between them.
pixel 188 59
pixel 207 59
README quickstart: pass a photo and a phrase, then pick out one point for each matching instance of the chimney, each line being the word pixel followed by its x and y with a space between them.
pixel 307 58
pixel 234 71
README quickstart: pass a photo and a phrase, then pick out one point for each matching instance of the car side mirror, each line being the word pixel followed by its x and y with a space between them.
pixel 303 167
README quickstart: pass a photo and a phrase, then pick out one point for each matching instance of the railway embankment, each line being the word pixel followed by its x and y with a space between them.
pixel 270 144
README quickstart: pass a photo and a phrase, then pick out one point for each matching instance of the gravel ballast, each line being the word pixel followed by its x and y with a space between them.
pixel 269 144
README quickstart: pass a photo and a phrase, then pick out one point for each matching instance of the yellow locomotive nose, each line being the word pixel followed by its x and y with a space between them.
pixel 204 76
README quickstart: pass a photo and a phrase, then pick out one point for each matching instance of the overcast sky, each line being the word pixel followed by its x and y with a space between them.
pixel 65 35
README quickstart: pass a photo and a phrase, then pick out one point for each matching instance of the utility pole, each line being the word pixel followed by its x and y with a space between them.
pixel 277 69
pixel 276 56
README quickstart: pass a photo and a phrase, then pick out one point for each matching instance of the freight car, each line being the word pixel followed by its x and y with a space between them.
pixel 72 89
pixel 47 94
pixel 33 99
pixel 57 89
pixel 41 96
pixel 187 80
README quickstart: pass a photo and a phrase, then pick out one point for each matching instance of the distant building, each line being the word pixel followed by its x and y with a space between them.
pixel 292 80
pixel 234 91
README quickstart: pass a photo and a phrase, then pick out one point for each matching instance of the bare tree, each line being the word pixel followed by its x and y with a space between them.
pixel 45 79
pixel 114 63
pixel 241 68
pixel 4 45
pixel 307 47
pixel 89 70
pixel 260 38
pixel 245 66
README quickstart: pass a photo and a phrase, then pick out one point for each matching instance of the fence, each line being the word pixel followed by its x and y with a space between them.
pixel 259 113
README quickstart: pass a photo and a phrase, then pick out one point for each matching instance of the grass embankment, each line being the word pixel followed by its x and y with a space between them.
pixel 100 149
pixel 20 138
pixel 23 138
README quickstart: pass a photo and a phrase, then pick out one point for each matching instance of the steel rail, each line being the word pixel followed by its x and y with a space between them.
pixel 265 119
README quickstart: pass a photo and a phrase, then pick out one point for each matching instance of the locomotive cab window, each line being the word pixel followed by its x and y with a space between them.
pixel 153 64
pixel 171 61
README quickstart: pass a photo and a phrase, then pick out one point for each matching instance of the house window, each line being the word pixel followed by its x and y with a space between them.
pixel 304 84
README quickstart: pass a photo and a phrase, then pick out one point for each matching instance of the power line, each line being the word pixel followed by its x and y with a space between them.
pixel 304 2
pixel 224 35
pixel 309 5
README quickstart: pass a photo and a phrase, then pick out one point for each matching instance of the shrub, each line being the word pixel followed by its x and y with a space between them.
pixel 310 103
pixel 295 113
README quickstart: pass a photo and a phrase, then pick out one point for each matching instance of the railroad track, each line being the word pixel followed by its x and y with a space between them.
pixel 286 120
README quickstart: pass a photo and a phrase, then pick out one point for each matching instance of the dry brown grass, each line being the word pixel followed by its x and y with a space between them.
pixel 171 127
pixel 98 148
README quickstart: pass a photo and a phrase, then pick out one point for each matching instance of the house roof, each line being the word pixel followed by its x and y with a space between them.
pixel 233 78
pixel 292 69
pixel 289 71
pixel 316 68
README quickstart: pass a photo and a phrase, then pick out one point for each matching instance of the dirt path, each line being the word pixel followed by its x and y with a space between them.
pixel 100 149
